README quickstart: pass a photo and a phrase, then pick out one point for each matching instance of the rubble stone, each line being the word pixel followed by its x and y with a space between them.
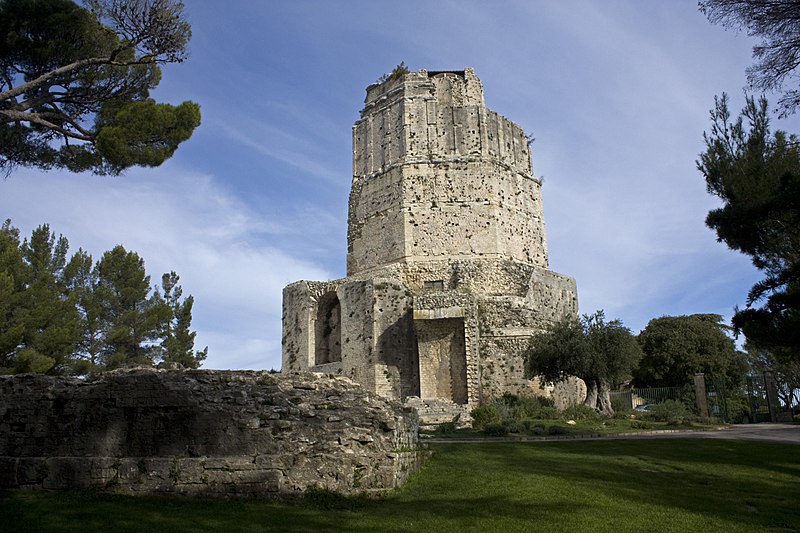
pixel 202 432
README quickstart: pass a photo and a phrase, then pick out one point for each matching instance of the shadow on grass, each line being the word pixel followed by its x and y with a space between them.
pixel 576 486
pixel 753 484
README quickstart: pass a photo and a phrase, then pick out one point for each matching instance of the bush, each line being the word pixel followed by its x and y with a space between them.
pixel 796 418
pixel 669 411
pixel 580 412
pixel 511 412
pixel 620 403
pixel 641 424
pixel 558 430
pixel 446 427
pixel 623 415
pixel 738 410
pixel 521 407
pixel 549 413
pixel 485 415
pixel 496 429
pixel 533 428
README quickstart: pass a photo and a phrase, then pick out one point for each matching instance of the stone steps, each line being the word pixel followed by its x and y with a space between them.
pixel 435 411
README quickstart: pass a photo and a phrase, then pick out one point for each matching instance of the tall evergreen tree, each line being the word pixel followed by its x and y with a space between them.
pixel 38 322
pixel 60 316
pixel 81 279
pixel 178 343
pixel 132 319
pixel 11 286
pixel 756 173
pixel 75 83
pixel 51 325
pixel 777 24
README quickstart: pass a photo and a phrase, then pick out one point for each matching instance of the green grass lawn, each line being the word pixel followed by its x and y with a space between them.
pixel 650 485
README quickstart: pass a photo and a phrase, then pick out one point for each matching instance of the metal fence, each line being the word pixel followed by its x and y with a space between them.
pixel 636 397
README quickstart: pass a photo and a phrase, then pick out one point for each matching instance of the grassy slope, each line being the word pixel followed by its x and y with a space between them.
pixel 652 485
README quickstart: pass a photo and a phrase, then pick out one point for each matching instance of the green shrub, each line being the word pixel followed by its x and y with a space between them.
pixel 669 410
pixel 580 412
pixel 494 429
pixel 512 411
pixel 521 407
pixel 558 430
pixel 485 415
pixel 446 427
pixel 549 413
pixel 796 418
pixel 622 415
pixel 738 410
pixel 641 424
pixel 620 403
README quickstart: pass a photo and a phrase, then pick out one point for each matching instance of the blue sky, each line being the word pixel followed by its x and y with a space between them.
pixel 616 93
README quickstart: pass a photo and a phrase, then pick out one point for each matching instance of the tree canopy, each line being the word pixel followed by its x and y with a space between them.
pixel 756 173
pixel 61 316
pixel 785 373
pixel 777 24
pixel 75 84
pixel 600 353
pixel 675 348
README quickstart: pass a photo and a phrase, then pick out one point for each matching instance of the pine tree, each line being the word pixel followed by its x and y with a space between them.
pixel 132 320
pixel 76 317
pixel 11 285
pixel 40 327
pixel 178 343
pixel 52 326
pixel 82 280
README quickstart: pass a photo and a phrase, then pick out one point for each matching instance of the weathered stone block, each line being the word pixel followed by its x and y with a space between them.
pixel 220 445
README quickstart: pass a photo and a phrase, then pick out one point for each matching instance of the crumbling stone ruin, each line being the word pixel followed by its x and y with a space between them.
pixel 447 269
pixel 219 433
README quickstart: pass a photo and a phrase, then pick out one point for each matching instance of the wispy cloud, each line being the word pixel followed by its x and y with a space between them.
pixel 188 223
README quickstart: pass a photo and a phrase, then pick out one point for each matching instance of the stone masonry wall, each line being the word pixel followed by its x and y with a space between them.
pixel 202 432
pixel 437 175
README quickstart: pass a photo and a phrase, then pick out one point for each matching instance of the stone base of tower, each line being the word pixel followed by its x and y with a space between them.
pixel 441 335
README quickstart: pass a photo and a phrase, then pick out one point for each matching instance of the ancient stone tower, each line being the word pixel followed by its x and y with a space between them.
pixel 447 273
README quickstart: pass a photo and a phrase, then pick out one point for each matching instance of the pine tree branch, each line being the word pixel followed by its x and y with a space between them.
pixel 36 118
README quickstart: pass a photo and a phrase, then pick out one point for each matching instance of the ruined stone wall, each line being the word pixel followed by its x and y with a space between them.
pixel 376 333
pixel 202 432
pixel 396 360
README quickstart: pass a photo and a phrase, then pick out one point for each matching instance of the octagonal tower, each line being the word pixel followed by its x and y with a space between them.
pixel 447 271
pixel 437 175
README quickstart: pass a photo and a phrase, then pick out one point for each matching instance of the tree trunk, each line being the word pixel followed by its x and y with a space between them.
pixel 604 398
pixel 591 393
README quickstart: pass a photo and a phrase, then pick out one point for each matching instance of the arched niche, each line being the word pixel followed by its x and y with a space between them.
pixel 328 332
